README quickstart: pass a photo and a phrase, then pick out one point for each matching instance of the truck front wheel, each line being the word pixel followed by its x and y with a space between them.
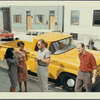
pixel 68 82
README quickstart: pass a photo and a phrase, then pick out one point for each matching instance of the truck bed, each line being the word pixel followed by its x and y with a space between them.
pixel 4 46
pixel 14 44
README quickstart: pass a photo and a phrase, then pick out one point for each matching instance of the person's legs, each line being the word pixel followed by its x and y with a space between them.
pixel 79 82
pixel 43 78
pixel 39 77
pixel 25 84
pixel 20 86
pixel 12 89
pixel 88 81
pixel 78 85
pixel 13 84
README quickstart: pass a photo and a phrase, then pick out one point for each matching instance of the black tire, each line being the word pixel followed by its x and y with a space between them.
pixel 12 39
pixel 68 82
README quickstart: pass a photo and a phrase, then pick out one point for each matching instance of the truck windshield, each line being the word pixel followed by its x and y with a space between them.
pixel 61 46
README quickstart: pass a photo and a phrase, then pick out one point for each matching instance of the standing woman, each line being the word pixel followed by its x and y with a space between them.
pixel 12 60
pixel 22 68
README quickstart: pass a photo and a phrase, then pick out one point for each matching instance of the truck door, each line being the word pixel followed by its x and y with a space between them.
pixel 32 63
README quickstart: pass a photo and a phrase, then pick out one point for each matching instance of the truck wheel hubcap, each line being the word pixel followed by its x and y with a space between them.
pixel 70 82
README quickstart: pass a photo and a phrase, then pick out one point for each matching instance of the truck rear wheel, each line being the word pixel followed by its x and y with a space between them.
pixel 68 82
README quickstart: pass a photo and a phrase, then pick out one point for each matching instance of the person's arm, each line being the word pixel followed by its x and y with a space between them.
pixel 15 60
pixel 47 60
pixel 26 56
pixel 94 76
pixel 94 65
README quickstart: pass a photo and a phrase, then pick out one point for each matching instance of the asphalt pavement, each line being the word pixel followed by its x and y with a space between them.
pixel 33 84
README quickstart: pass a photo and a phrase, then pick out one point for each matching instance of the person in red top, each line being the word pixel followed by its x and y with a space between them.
pixel 87 65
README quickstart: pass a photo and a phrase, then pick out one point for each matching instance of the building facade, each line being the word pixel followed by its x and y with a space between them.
pixel 82 20
pixel 23 18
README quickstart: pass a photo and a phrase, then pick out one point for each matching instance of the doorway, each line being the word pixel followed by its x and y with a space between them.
pixel 52 22
pixel 28 20
pixel 6 19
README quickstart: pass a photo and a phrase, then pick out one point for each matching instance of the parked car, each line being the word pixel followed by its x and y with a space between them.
pixel 40 31
pixel 64 61
pixel 28 36
pixel 4 34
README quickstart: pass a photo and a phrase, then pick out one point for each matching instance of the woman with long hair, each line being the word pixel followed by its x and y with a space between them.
pixel 12 60
pixel 22 68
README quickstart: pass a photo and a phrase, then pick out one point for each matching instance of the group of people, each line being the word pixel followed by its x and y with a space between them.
pixel 18 69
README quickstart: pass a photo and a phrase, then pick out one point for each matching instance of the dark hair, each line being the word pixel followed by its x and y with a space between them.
pixel 20 43
pixel 9 53
pixel 42 41
pixel 82 44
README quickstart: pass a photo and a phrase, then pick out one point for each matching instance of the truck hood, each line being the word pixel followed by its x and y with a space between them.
pixel 71 56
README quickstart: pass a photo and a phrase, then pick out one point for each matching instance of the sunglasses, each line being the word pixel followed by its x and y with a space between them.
pixel 38 44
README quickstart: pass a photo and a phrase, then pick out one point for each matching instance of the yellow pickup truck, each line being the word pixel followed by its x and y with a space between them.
pixel 64 63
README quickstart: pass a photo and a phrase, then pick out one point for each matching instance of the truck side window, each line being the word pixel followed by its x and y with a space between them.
pixel 46 44
pixel 52 49
pixel 36 48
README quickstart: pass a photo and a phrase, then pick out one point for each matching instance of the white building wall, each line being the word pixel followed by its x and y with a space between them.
pixel 1 20
pixel 85 29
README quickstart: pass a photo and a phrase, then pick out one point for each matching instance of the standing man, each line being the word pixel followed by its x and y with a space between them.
pixel 43 60
pixel 87 65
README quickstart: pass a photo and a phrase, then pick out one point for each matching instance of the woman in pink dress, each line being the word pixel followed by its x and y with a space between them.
pixel 22 68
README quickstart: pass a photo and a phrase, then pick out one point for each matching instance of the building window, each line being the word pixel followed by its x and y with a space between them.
pixel 74 36
pixel 28 13
pixel 39 19
pixel 96 17
pixel 52 12
pixel 17 18
pixel 75 17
